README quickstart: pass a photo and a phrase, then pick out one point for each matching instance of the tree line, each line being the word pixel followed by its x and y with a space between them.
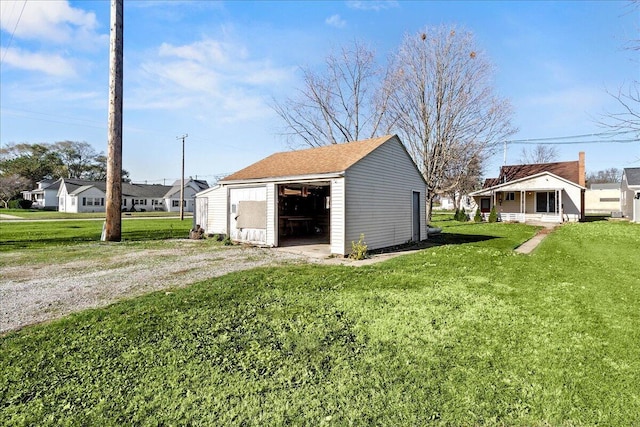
pixel 23 165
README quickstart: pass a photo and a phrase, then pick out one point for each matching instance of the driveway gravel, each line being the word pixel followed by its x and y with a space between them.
pixel 33 293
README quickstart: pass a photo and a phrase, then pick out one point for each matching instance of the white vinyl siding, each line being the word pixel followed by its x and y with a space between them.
pixel 337 220
pixel 272 224
pixel 87 201
pixel 379 191
pixel 217 215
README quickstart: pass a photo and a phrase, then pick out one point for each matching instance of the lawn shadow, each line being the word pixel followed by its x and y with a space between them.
pixel 441 239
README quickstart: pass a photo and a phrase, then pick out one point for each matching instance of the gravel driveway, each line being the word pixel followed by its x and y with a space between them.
pixel 33 293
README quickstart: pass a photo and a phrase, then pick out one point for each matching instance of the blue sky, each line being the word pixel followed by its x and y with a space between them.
pixel 210 69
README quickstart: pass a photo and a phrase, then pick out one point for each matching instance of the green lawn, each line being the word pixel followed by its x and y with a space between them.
pixel 43 234
pixel 463 333
pixel 34 214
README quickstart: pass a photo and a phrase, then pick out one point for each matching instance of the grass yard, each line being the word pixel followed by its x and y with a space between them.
pixel 38 214
pixel 43 234
pixel 465 333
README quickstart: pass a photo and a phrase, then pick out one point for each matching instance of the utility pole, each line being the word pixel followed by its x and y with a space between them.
pixel 183 137
pixel 113 218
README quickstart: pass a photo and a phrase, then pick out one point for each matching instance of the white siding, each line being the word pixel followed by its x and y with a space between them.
pixel 337 220
pixel 240 194
pixel 378 192
pixel 93 194
pixel 272 224
pixel 602 200
pixel 218 199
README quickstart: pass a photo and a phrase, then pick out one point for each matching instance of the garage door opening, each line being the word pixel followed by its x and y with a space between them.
pixel 304 214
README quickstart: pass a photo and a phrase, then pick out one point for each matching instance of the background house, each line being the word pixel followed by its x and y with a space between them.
pixel 328 195
pixel 45 196
pixel 602 198
pixel 75 195
pixel 630 194
pixel 548 192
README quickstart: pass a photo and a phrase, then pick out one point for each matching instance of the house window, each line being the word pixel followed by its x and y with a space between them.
pixel 84 201
pixel 73 201
pixel 175 203
pixel 124 202
pixel 546 202
pixel 510 196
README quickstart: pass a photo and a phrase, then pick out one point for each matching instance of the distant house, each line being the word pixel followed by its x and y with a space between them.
pixel 630 194
pixel 45 196
pixel 328 195
pixel 547 192
pixel 602 198
pixel 75 195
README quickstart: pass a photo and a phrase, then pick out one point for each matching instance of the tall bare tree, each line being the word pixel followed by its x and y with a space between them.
pixel 340 104
pixel 443 105
pixel 539 154
pixel 626 119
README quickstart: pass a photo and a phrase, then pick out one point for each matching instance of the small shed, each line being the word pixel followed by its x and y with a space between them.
pixel 328 195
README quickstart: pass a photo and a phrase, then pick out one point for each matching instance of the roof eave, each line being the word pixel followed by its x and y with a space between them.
pixel 285 179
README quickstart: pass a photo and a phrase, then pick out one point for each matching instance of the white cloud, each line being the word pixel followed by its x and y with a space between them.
pixel 51 64
pixel 208 76
pixel 335 21
pixel 372 4
pixel 53 22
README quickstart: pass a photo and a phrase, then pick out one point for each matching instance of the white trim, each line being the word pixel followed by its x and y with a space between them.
pixel 284 179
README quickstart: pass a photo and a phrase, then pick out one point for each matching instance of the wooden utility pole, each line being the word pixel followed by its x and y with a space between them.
pixel 113 229
pixel 183 137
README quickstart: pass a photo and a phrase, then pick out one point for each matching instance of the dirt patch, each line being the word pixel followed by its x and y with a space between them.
pixel 37 294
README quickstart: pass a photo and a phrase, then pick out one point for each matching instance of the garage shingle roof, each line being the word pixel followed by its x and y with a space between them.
pixel 328 159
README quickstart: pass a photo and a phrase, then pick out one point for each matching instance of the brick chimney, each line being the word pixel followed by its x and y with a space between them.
pixel 581 172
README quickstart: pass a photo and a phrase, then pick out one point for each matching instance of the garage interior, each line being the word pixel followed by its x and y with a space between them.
pixel 304 214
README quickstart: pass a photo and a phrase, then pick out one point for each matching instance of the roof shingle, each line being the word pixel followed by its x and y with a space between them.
pixel 567 170
pixel 312 161
pixel 633 175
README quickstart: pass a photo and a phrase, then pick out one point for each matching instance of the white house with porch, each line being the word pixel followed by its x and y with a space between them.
pixel 544 192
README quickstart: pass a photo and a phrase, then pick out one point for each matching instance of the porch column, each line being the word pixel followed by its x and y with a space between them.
pixel 560 210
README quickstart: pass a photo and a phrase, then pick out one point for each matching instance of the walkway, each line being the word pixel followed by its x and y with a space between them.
pixel 528 246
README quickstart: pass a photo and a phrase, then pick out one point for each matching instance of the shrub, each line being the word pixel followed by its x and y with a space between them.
pixel 15 204
pixel 493 215
pixel 478 216
pixel 461 215
pixel 358 249
pixel 25 204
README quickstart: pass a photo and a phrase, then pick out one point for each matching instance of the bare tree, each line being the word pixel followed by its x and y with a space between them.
pixel 460 180
pixel 610 175
pixel 10 187
pixel 341 104
pixel 443 105
pixel 627 119
pixel 539 154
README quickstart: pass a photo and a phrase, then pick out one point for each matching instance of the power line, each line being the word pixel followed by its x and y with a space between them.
pixel 15 27
pixel 617 141
pixel 555 138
